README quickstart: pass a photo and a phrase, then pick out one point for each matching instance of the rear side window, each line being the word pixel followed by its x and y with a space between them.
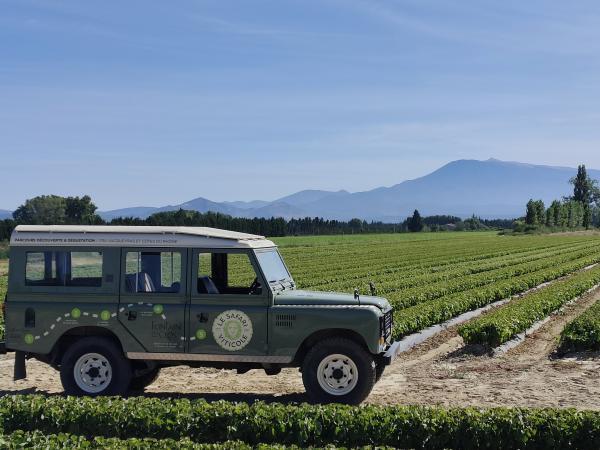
pixel 153 272
pixel 64 269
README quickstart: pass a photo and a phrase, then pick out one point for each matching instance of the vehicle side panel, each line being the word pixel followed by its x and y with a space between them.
pixel 37 316
pixel 291 325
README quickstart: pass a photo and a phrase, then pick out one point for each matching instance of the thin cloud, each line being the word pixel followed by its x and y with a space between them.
pixel 513 28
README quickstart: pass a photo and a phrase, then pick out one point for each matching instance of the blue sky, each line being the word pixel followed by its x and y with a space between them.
pixel 151 103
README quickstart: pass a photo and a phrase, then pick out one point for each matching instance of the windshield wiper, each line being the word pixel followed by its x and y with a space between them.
pixel 288 281
pixel 277 285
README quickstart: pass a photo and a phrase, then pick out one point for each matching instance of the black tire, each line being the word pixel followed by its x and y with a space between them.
pixel 354 353
pixel 109 365
pixel 379 369
pixel 143 381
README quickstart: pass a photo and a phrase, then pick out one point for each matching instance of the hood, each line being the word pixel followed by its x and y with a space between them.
pixel 299 297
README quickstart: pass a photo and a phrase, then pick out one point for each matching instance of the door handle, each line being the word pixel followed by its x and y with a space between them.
pixel 202 317
pixel 132 315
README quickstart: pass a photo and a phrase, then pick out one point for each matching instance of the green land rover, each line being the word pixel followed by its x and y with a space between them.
pixel 108 306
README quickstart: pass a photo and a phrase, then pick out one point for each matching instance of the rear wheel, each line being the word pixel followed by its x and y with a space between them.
pixel 338 370
pixel 94 366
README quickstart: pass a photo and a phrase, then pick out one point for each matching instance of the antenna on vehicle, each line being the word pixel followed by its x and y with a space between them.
pixel 372 288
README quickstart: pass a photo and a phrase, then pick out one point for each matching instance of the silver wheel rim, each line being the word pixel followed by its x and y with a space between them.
pixel 337 374
pixel 92 373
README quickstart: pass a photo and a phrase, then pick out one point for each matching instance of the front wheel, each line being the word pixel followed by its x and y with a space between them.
pixel 338 370
pixel 379 368
pixel 94 366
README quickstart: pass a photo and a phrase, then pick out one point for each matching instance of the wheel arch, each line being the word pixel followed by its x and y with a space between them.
pixel 71 335
pixel 320 335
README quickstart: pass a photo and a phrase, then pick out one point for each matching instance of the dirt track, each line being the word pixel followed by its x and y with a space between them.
pixel 437 372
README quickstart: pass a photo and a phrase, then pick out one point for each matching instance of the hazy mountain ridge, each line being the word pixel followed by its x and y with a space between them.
pixel 490 189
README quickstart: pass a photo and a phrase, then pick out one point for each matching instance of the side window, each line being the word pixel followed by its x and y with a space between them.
pixel 40 269
pixel 86 269
pixel 153 272
pixel 240 272
pixel 226 273
pixel 82 269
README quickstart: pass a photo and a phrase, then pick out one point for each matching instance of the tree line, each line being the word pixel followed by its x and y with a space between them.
pixel 580 210
pixel 417 223
pixel 57 210
pixel 274 226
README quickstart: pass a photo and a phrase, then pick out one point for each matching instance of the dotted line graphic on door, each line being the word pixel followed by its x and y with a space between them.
pixel 200 335
pixel 104 316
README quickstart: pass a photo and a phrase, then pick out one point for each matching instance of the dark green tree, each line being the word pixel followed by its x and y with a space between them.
pixel 582 186
pixel 553 214
pixel 57 210
pixel 535 213
pixel 540 212
pixel 586 192
pixel 6 228
pixel 81 211
pixel 415 223
pixel 587 216
pixel 531 213
pixel 41 210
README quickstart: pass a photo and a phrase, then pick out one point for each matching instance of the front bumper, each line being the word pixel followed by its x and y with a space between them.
pixel 391 353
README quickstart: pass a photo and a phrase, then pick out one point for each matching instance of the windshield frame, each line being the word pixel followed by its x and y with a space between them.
pixel 284 283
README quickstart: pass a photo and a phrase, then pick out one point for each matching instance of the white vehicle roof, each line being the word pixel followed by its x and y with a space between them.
pixel 133 236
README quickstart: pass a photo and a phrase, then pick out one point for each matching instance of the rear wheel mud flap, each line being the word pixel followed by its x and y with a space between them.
pixel 20 370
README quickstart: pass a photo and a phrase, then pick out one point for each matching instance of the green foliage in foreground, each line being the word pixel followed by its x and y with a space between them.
pixel 303 425
pixel 504 323
pixel 583 333
pixel 36 439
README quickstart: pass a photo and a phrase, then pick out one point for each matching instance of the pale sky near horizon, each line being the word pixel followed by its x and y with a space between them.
pixel 155 103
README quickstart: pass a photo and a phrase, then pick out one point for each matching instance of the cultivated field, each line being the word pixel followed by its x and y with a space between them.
pixel 547 282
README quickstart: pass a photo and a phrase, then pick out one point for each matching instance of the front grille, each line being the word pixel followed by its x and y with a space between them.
pixel 386 321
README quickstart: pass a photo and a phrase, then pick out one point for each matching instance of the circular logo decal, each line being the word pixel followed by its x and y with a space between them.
pixel 232 330
pixel 158 309
pixel 105 315
pixel 75 313
pixel 29 338
pixel 201 334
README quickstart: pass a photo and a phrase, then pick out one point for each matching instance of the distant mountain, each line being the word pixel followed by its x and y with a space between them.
pixel 248 205
pixel 309 196
pixel 4 214
pixel 490 189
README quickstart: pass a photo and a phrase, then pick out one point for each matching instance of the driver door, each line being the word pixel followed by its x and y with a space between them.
pixel 228 304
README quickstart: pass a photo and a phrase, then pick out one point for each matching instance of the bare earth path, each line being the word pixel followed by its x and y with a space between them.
pixel 437 372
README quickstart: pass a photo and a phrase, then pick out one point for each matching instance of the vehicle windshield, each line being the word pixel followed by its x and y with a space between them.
pixel 272 266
